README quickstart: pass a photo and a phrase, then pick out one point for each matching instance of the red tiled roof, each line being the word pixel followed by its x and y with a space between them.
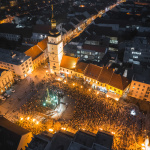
pixel 69 62
pixel 81 67
pixel 93 71
pixel 43 44
pixel 96 48
pixel 105 75
pixel 33 52
pixel 119 82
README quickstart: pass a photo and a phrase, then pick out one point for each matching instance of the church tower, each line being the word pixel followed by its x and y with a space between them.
pixel 55 47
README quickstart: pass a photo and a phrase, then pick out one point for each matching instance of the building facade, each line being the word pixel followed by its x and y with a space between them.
pixel 19 63
pixel 139 90
pixel 137 51
pixel 6 80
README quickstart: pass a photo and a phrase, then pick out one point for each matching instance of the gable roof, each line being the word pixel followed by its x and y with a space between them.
pixel 68 62
pixel 34 52
pixel 96 48
pixel 119 82
pixel 105 75
pixel 80 67
pixel 43 44
pixel 93 71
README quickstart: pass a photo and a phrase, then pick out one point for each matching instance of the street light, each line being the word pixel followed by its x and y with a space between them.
pixel 21 118
pixel 51 130
pixel 28 118
pixel 33 120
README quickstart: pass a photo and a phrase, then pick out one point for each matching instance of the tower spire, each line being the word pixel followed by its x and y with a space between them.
pixel 53 21
pixel 52 12
pixel 53 30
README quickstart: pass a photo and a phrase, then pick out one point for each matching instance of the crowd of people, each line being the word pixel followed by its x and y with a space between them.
pixel 94 112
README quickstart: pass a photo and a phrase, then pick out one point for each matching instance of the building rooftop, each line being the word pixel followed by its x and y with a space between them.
pixel 33 52
pixel 74 21
pixel 80 67
pixel 92 71
pixel 105 75
pixel 96 48
pixel 40 28
pixel 119 81
pixel 43 44
pixel 142 76
pixel 68 27
pixel 84 138
pixel 61 141
pixel 11 29
pixel 11 127
pixel 104 139
pixel 107 31
pixel 69 62
pixel 12 57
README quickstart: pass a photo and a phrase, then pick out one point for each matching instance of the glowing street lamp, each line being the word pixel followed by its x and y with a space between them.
pixel 21 118
pixel 28 118
pixel 37 122
pixel 63 128
pixel 44 104
pixel 73 84
pixel 51 130
pixel 33 120
pixel 81 86
pixel 113 132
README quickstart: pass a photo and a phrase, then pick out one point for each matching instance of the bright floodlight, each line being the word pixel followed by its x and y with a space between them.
pixel 133 113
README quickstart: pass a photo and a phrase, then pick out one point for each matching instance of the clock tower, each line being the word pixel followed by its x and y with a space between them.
pixel 55 47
